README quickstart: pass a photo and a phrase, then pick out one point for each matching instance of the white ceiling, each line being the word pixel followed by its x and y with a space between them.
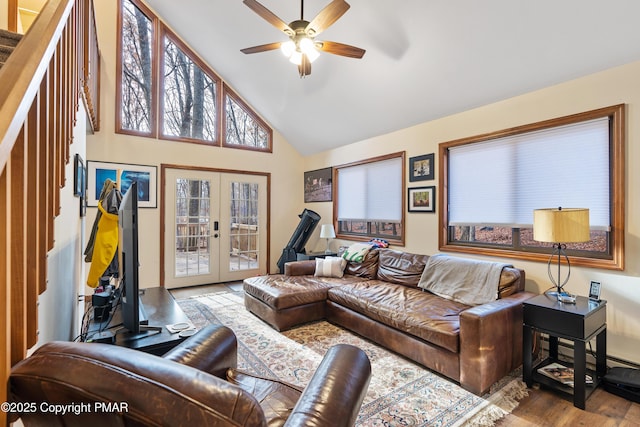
pixel 425 59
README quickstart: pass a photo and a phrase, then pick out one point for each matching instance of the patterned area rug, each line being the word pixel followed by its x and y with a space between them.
pixel 401 393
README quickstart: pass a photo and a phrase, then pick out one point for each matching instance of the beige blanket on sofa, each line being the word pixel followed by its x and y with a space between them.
pixel 467 281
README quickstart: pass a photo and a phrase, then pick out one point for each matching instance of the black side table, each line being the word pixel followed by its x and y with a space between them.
pixel 580 323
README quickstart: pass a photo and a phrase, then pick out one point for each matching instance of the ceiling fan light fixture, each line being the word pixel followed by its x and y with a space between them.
pixel 296 57
pixel 287 48
pixel 308 47
pixel 302 49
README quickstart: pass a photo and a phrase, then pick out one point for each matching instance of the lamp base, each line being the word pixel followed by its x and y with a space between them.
pixel 328 250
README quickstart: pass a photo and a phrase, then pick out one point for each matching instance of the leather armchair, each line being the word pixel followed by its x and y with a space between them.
pixel 195 384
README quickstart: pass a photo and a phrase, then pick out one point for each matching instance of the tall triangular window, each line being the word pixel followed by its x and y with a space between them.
pixel 136 94
pixel 166 91
pixel 188 96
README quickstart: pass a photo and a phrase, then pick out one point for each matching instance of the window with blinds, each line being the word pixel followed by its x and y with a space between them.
pixel 494 183
pixel 370 198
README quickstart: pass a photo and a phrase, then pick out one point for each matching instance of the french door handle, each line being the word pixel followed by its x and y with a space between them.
pixel 215 228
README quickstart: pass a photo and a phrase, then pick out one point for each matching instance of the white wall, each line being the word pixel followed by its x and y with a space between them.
pixel 284 164
pixel 615 86
pixel 59 310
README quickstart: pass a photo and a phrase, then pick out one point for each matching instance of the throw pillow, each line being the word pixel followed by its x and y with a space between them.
pixel 356 252
pixel 330 267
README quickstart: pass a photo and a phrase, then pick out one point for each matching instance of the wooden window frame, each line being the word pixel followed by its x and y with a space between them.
pixel 396 241
pixel 166 32
pixel 617 190
pixel 153 116
pixel 227 91
pixel 160 30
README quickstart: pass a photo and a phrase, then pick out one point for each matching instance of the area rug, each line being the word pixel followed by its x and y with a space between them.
pixel 401 393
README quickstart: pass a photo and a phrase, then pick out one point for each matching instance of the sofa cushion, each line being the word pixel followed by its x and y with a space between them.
pixel 280 291
pixel 403 268
pixel 410 310
pixel 368 268
pixel 276 398
pixel 511 281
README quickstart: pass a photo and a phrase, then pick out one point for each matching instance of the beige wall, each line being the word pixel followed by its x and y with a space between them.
pixel 284 164
pixel 615 86
pixel 4 14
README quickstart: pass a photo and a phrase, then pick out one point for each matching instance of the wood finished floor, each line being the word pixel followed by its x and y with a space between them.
pixel 542 407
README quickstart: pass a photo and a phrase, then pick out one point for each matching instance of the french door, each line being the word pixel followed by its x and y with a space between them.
pixel 215 227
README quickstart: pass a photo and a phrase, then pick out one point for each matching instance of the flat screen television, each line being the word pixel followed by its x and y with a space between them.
pixel 133 317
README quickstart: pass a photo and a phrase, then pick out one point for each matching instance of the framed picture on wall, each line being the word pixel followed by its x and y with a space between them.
pixel 421 168
pixel 79 173
pixel 318 185
pixel 145 176
pixel 422 199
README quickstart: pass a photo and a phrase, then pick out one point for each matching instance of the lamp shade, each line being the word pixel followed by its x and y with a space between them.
pixel 327 231
pixel 561 225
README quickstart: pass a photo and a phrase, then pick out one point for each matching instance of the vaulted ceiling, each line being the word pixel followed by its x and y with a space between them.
pixel 425 59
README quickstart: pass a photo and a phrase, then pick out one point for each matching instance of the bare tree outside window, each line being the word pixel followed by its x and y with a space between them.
pixel 193 232
pixel 189 97
pixel 244 232
pixel 241 127
pixel 136 90
pixel 189 102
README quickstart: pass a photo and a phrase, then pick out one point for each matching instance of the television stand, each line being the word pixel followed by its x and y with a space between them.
pixel 142 314
pixel 145 331
pixel 161 310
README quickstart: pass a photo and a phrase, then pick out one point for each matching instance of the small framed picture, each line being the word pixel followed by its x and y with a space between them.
pixel 318 185
pixel 421 168
pixel 422 199
pixel 79 177
pixel 594 291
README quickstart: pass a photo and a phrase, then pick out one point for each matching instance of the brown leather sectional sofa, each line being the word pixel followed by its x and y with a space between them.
pixel 379 299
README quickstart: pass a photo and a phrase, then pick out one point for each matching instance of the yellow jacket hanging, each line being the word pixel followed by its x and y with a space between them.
pixel 105 244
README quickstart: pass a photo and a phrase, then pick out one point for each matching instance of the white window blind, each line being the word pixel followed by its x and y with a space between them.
pixel 500 182
pixel 371 191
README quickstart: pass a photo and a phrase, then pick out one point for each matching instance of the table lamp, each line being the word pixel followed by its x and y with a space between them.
pixel 560 226
pixel 327 232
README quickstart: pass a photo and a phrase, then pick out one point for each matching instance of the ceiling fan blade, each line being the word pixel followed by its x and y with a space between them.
pixel 327 16
pixel 269 16
pixel 341 49
pixel 305 66
pixel 261 48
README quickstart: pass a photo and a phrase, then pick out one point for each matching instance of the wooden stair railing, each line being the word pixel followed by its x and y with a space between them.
pixel 41 84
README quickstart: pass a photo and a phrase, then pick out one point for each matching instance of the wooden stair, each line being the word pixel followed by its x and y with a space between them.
pixel 8 42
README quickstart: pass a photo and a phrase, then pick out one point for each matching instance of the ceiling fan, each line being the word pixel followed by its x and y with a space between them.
pixel 302 48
